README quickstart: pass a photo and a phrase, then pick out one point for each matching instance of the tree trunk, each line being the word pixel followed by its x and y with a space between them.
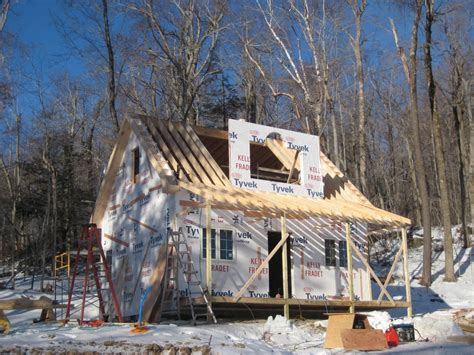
pixel 111 89
pixel 464 195
pixel 439 149
pixel 357 47
pixel 410 73
pixel 3 13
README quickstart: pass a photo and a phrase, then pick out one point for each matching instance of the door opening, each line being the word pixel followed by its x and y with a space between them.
pixel 275 272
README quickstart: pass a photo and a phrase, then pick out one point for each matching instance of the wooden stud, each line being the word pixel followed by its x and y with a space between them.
pixel 406 272
pixel 349 267
pixel 208 249
pixel 369 283
pixel 260 268
pixel 284 264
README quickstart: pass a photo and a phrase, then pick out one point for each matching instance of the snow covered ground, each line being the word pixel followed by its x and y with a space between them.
pixel 433 312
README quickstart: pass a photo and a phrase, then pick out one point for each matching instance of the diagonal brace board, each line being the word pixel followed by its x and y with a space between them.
pixel 392 269
pixel 366 264
pixel 260 268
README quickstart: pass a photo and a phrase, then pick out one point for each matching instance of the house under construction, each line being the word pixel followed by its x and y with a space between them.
pixel 254 218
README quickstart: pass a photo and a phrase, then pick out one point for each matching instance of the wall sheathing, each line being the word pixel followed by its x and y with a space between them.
pixel 311 279
pixel 134 227
pixel 138 215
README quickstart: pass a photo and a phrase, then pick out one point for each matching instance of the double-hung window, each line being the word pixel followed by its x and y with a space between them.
pixel 226 244
pixel 342 253
pixel 213 243
pixel 223 247
pixel 330 252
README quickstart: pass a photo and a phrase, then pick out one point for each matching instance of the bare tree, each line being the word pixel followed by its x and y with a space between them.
pixel 183 50
pixel 3 13
pixel 111 87
pixel 358 9
pixel 409 67
pixel 308 109
pixel 14 186
pixel 438 143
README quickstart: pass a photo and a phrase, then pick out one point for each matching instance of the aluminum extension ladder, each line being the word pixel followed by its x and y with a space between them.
pixel 179 262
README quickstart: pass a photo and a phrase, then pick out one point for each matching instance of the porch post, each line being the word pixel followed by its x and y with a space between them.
pixel 349 267
pixel 405 271
pixel 284 263
pixel 208 250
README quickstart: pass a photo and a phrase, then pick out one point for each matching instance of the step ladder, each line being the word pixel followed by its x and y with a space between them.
pixel 179 262
pixel 96 262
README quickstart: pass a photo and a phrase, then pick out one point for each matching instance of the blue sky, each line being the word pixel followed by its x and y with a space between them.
pixel 32 21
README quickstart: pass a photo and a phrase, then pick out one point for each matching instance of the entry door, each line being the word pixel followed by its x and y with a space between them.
pixel 275 270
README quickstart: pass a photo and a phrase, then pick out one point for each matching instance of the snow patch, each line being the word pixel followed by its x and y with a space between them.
pixel 379 320
pixel 437 326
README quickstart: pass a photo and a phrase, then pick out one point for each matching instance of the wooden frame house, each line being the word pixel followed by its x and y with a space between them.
pixel 252 249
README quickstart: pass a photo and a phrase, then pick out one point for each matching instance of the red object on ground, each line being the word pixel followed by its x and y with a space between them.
pixel 392 337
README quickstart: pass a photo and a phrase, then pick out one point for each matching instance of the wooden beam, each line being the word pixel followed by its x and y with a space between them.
pixel 26 303
pixel 372 272
pixel 202 171
pixel 162 145
pixel 349 267
pixel 112 167
pixel 209 255
pixel 208 249
pixel 324 304
pixel 292 170
pixel 260 268
pixel 406 273
pixel 284 264
pixel 392 269
pixel 176 150
pixel 202 154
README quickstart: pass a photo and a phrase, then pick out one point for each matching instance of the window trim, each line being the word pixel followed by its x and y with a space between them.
pixel 218 244
pixel 135 165
pixel 344 254
pixel 334 256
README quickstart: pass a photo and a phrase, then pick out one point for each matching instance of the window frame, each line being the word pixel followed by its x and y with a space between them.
pixel 332 256
pixel 135 165
pixel 218 255
pixel 203 243
pixel 343 255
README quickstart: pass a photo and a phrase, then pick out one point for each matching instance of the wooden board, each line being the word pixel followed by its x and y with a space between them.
pixel 112 168
pixel 464 339
pixel 363 339
pixel 26 303
pixel 155 280
pixel 336 324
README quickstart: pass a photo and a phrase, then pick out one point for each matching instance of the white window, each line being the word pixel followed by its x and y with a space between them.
pixel 226 244
pixel 223 247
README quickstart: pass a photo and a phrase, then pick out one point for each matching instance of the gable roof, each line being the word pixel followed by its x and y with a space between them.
pixel 196 159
